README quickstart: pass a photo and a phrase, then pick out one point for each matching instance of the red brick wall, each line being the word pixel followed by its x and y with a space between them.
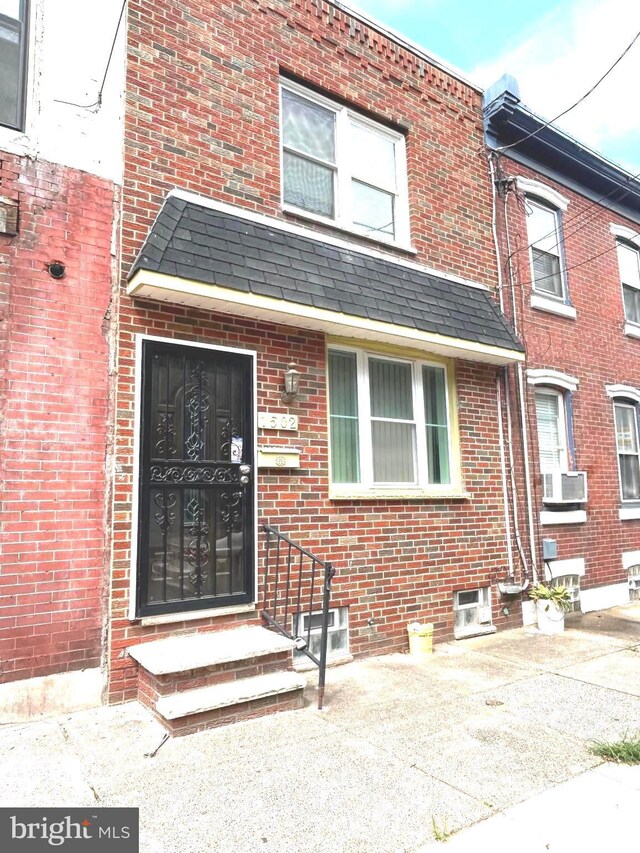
pixel 203 114
pixel 54 390
pixel 594 349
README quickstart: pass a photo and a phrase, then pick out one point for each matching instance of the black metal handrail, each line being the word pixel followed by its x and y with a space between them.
pixel 294 579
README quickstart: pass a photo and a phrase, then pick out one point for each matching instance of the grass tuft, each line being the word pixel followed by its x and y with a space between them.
pixel 623 751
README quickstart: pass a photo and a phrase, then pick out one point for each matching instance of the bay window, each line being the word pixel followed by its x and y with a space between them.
pixel 342 167
pixel 389 422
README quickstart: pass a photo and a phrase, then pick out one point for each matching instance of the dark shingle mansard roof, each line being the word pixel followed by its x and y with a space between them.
pixel 219 248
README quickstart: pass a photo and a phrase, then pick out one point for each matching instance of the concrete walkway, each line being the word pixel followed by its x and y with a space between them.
pixel 491 733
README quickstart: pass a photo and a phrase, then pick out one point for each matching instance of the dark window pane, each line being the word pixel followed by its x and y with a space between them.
pixel 631 304
pixel 12 60
pixel 630 476
pixel 469 597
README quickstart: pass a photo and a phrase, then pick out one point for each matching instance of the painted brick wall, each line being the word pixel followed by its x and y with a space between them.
pixel 202 114
pixel 54 391
pixel 594 349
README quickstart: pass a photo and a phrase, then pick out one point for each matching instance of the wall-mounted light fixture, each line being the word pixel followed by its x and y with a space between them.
pixel 291 383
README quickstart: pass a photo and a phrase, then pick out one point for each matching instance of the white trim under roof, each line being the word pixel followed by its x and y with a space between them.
pixel 544 376
pixel 161 287
pixel 312 234
pixel 625 233
pixel 543 191
pixel 627 391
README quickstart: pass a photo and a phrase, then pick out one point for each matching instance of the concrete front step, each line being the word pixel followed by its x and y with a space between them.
pixel 238 692
pixel 214 648
pixel 232 702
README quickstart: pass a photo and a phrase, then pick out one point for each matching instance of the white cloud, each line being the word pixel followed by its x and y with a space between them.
pixel 562 56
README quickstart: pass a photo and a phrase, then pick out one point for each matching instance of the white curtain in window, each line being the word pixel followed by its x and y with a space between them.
pixel 551 438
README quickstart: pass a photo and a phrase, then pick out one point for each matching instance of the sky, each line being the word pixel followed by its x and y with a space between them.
pixel 555 50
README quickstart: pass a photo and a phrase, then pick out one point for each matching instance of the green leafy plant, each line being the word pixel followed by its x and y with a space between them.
pixel 440 833
pixel 558 595
pixel 623 751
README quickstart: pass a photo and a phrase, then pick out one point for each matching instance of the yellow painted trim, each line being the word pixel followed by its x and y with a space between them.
pixel 382 348
pixel 154 285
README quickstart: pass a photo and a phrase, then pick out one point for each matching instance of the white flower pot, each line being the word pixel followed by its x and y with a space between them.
pixel 550 617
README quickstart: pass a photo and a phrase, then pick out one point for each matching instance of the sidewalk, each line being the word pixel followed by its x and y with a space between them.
pixel 493 731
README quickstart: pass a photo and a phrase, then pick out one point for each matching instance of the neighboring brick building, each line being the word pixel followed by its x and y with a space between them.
pixel 569 224
pixel 59 167
pixel 301 186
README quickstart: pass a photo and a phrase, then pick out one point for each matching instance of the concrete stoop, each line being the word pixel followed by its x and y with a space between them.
pixel 201 681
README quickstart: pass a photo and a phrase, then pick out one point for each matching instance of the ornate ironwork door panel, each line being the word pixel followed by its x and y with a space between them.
pixel 196 538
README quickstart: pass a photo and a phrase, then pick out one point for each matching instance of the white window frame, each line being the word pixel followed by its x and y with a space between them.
pixel 342 172
pixel 631 326
pixel 539 201
pixel 633 405
pixel 484 601
pixel 421 483
pixel 562 429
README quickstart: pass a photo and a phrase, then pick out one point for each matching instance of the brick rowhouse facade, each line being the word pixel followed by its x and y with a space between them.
pixel 59 171
pixel 203 116
pixel 54 391
pixel 592 345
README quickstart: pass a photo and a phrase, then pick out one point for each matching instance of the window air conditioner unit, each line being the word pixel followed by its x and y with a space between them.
pixel 564 487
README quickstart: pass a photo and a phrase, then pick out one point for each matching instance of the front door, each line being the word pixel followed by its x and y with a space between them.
pixel 196 536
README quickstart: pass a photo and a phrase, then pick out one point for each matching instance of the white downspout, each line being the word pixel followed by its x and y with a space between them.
pixel 523 414
pixel 503 464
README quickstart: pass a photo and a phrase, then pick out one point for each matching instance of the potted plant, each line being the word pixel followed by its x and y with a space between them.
pixel 552 602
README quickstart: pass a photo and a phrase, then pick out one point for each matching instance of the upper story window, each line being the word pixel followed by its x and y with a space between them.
pixel 544 235
pixel 629 262
pixel 390 422
pixel 343 168
pixel 13 62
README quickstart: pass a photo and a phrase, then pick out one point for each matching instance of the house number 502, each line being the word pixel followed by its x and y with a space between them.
pixel 266 420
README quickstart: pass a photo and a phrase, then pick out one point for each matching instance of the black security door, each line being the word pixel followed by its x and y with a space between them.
pixel 196 545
